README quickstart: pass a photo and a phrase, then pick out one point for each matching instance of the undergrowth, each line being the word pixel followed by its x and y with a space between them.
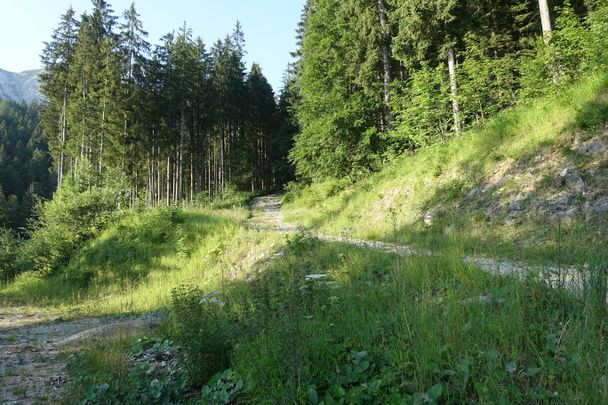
pixel 329 324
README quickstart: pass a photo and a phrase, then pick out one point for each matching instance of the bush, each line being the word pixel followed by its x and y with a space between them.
pixel 8 253
pixel 154 376
pixel 78 211
pixel 204 331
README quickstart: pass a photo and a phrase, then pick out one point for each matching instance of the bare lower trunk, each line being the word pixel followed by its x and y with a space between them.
pixel 545 19
pixel 180 157
pixel 454 90
pixel 386 61
pixel 168 179
pixel 64 125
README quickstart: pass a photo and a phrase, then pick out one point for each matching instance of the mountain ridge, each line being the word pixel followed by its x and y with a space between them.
pixel 22 86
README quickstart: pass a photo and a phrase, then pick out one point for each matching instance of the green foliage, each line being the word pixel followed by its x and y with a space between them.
pixel 434 182
pixel 330 324
pixel 24 163
pixel 501 61
pixel 222 389
pixel 204 330
pixel 149 379
pixel 420 117
pixel 9 245
pixel 79 210
pixel 229 198
pixel 125 251
pixel 178 119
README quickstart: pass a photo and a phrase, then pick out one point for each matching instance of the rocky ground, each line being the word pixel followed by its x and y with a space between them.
pixel 33 349
pixel 266 215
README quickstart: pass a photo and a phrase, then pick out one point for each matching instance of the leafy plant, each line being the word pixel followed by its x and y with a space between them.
pixel 154 377
pixel 222 389
pixel 204 331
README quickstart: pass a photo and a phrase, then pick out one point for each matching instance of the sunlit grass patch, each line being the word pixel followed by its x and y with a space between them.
pixel 132 266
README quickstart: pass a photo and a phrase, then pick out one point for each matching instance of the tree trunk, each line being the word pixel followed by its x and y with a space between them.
pixel 168 179
pixel 545 19
pixel 386 61
pixel 454 90
pixel 180 158
pixel 191 179
pixel 64 125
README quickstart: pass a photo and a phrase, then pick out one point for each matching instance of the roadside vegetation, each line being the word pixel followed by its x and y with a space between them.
pixel 331 323
pixel 459 195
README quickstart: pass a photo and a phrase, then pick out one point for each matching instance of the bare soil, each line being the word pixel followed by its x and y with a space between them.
pixel 33 349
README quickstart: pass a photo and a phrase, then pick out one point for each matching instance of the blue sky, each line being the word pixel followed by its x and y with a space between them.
pixel 269 26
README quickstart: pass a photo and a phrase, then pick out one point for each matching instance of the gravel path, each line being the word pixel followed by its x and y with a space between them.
pixel 266 215
pixel 32 368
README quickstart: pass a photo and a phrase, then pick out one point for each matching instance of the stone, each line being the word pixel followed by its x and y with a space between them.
pixel 568 215
pixel 593 147
pixel 429 218
pixel 515 206
pixel 474 192
pixel 573 179
pixel 600 206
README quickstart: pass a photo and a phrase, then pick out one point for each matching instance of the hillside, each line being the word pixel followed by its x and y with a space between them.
pixel 532 184
pixel 419 216
pixel 20 86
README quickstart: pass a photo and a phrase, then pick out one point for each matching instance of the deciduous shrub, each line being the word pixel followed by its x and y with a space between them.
pixel 78 211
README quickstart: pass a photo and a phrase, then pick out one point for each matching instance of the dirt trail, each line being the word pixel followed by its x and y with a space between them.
pixel 266 214
pixel 32 368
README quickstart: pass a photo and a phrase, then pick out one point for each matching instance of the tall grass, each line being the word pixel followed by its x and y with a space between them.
pixel 333 323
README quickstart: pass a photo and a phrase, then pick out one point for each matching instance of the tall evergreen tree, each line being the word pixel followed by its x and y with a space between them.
pixel 57 61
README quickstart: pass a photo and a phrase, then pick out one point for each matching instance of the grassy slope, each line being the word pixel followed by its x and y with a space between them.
pixel 390 205
pixel 382 329
pixel 377 328
pixel 133 266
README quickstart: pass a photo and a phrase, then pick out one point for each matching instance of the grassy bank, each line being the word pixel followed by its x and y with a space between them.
pixel 465 187
pixel 132 266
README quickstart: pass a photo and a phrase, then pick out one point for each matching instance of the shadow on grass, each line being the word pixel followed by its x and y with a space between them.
pixel 121 258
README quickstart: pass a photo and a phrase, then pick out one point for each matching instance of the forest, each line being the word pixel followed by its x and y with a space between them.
pixel 407 74
pixel 178 119
pixel 417 216
pixel 24 163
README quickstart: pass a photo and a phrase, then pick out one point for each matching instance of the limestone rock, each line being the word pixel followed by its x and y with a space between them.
pixel 573 179
pixel 429 218
pixel 600 206
pixel 593 147
pixel 474 192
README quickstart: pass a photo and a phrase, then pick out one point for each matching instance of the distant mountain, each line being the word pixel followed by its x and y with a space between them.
pixel 20 86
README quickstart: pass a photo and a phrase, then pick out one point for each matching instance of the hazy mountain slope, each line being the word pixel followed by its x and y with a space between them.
pixel 20 86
